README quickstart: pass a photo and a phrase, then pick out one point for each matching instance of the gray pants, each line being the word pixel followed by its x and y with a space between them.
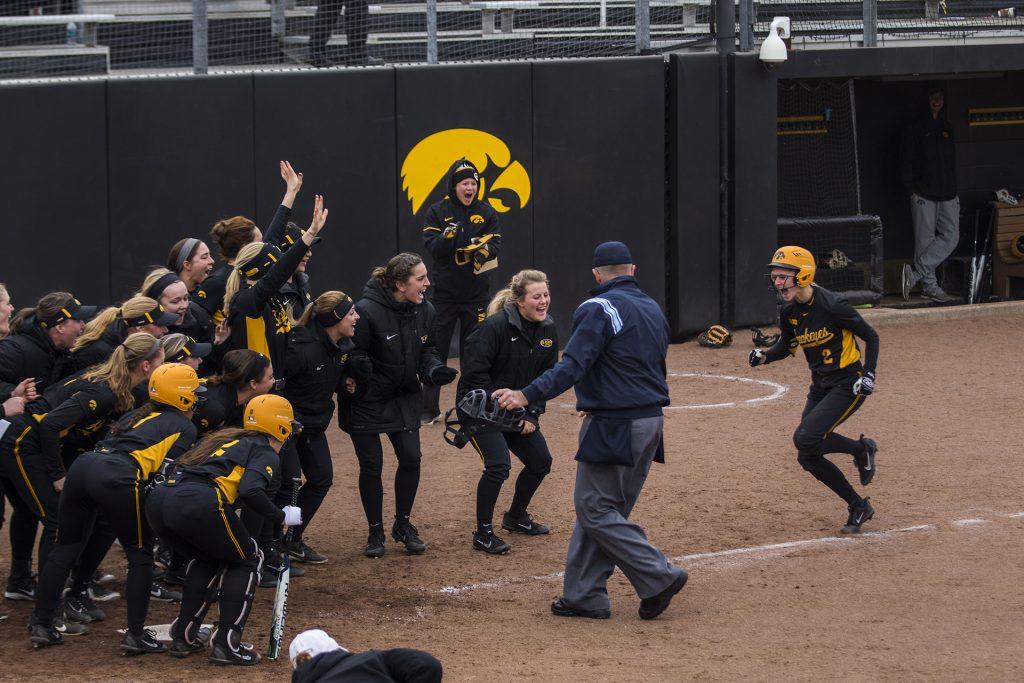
pixel 604 538
pixel 936 233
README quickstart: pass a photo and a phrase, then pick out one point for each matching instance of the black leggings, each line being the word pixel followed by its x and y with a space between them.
pixel 826 409
pixel 104 484
pixel 22 531
pixel 493 447
pixel 469 316
pixel 318 469
pixel 27 481
pixel 264 530
pixel 371 464
pixel 193 517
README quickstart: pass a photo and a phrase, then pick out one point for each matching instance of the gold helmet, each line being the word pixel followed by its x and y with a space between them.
pixel 176 385
pixel 798 259
pixel 271 415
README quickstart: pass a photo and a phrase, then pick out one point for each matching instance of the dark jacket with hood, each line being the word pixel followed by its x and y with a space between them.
pixel 295 294
pixel 30 353
pixel 314 372
pixel 101 349
pixel 398 665
pixel 928 161
pixel 508 352
pixel 393 353
pixel 451 282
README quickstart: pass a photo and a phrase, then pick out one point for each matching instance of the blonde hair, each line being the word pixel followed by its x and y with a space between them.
pixel 324 303
pixel 173 343
pixel 245 254
pixel 516 289
pixel 95 328
pixel 116 371
pixel 151 278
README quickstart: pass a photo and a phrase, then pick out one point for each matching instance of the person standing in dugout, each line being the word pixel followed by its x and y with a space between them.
pixel 516 344
pixel 825 326
pixel 193 511
pixel 393 356
pixel 113 481
pixel 462 235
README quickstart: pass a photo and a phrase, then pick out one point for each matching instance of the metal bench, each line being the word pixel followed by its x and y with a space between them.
pixel 86 23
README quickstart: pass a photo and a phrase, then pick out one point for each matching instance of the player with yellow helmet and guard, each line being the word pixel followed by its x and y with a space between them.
pixel 193 512
pixel 111 481
pixel 826 326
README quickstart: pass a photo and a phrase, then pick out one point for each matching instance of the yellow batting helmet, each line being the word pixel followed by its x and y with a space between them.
pixel 797 259
pixel 176 385
pixel 271 415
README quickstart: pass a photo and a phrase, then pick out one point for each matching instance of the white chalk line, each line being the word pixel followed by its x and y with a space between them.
pixel 720 557
pixel 778 391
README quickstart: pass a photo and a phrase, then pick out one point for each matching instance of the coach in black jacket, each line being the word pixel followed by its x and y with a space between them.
pixel 393 355
pixel 463 238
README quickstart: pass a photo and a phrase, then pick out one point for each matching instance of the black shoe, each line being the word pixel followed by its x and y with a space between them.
pixel 375 542
pixel 561 608
pixel 866 461
pixel 102 578
pixel 102 594
pixel 43 636
pixel 489 543
pixel 245 655
pixel 426 420
pixel 653 606
pixel 161 558
pixel 81 609
pixel 69 628
pixel 145 644
pixel 301 552
pixel 163 593
pixel 180 648
pixel 21 589
pixel 404 532
pixel 523 525
pixel 859 514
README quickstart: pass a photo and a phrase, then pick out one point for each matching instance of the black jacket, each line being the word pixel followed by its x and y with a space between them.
pixel 451 282
pixel 296 294
pixel 506 352
pixel 394 351
pixel 376 666
pixel 220 409
pixel 198 323
pixel 101 349
pixel 314 372
pixel 928 160
pixel 162 434
pixel 30 353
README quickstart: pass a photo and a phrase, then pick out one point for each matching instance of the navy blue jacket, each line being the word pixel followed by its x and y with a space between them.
pixel 615 356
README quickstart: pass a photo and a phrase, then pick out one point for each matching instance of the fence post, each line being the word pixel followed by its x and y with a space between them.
pixel 431 31
pixel 746 25
pixel 643 25
pixel 200 36
pixel 870 23
pixel 277 20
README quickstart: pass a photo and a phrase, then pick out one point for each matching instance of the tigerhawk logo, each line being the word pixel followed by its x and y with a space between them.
pixel 501 178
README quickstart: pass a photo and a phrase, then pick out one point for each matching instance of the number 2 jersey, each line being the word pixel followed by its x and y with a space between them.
pixel 826 328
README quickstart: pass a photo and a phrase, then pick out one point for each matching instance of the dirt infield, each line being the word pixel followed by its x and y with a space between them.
pixel 935 594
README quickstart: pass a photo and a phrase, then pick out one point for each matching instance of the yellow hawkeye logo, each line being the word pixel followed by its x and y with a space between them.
pixel 426 166
pixel 815 338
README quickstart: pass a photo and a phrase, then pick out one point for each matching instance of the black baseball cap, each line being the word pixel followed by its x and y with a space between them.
pixel 191 349
pixel 158 315
pixel 612 254
pixel 73 310
pixel 292 234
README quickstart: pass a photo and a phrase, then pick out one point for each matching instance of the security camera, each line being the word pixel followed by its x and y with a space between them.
pixel 773 49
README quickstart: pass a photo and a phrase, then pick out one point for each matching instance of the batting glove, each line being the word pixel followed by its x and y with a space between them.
pixel 865 385
pixel 757 357
pixel 292 515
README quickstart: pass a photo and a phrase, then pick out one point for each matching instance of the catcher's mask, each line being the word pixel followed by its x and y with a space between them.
pixel 716 337
pixel 481 413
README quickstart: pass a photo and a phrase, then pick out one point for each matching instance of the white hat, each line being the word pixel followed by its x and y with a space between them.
pixel 314 642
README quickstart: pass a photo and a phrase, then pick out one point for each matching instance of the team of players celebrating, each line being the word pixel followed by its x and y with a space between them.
pixel 175 423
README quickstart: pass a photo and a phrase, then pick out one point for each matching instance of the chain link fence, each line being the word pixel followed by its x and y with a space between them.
pixel 60 38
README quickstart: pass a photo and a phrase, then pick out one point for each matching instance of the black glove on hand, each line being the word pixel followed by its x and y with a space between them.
pixel 442 375
pixel 757 357
pixel 865 385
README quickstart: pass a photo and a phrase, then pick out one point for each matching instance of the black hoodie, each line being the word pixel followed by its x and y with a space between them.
pixel 100 350
pixel 314 372
pixel 30 353
pixel 393 353
pixel 928 159
pixel 451 282
pixel 399 665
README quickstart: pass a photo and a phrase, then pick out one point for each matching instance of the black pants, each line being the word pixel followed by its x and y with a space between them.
pixel 280 491
pixel 22 532
pixel 371 464
pixel 30 489
pixel 193 517
pixel 97 484
pixel 825 410
pixel 469 317
pixel 318 471
pixel 493 447
pixel 355 23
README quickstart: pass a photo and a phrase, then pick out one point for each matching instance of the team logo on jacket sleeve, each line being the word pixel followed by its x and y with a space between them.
pixel 546 343
pixel 92 405
pixel 270 471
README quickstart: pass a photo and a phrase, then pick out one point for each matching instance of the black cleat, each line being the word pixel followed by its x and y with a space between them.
pixel 561 608
pixel 102 578
pixel 489 543
pixel 859 514
pixel 300 552
pixel 163 593
pixel 21 589
pixel 145 644
pixel 101 593
pixel 43 636
pixel 181 648
pixel 866 460
pixel 655 605
pixel 69 628
pixel 375 542
pixel 245 655
pixel 523 525
pixel 404 532
pixel 81 609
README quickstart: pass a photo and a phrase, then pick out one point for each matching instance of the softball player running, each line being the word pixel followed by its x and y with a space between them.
pixel 112 480
pixel 824 325
pixel 514 346
pixel 193 511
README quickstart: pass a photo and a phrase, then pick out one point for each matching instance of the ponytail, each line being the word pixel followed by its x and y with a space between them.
pixel 516 289
pixel 202 451
pixel 245 254
pixel 47 308
pixel 95 328
pixel 116 371
pixel 397 269
pixel 325 303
